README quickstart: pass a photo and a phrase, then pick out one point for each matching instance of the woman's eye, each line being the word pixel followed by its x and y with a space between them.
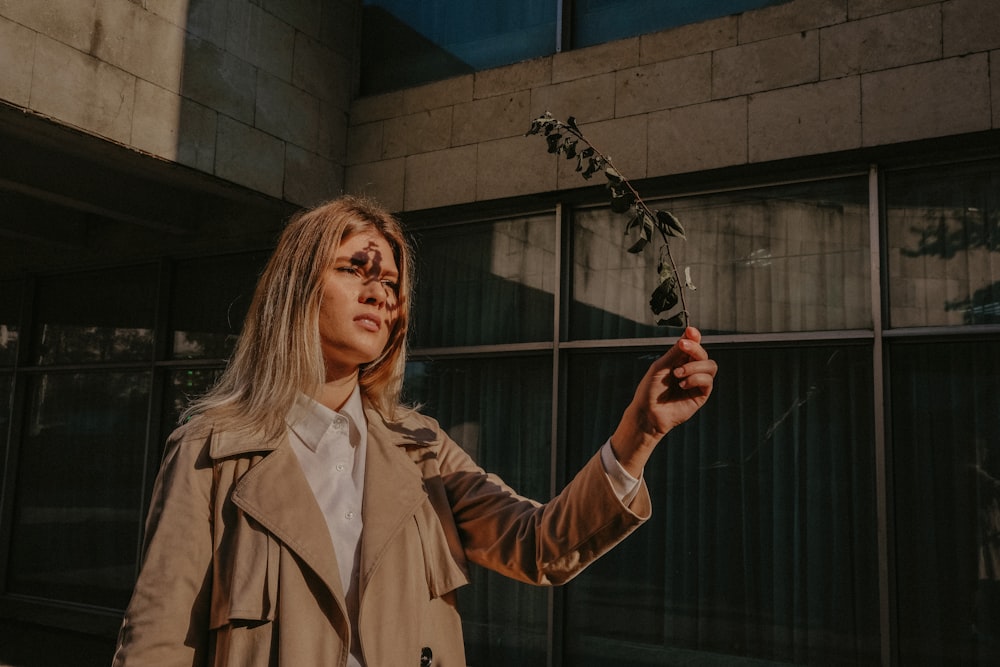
pixel 349 270
pixel 390 285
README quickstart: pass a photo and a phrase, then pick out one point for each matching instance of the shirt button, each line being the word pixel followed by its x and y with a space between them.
pixel 340 467
pixel 349 516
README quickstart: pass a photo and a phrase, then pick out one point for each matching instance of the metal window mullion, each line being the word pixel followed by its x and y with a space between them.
pixel 878 284
pixel 564 25
pixel 8 476
pixel 552 637
pixel 154 402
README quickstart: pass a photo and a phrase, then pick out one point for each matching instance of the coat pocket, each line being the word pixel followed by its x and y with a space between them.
pixel 245 577
pixel 444 574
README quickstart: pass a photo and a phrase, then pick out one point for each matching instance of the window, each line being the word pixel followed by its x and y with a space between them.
pixel 407 43
pixel 475 282
pixel 944 245
pixel 764 543
pixel 944 265
pixel 10 313
pixel 77 504
pixel 598 21
pixel 836 501
pixel 508 432
pixel 99 316
pixel 946 439
pixel 97 399
pixel 787 258
pixel 210 299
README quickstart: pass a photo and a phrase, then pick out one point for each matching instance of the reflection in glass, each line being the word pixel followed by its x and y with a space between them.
pixel 788 258
pixel 944 245
pixel 599 21
pixel 498 410
pixel 10 306
pixel 96 316
pixel 405 43
pixel 210 299
pixel 6 394
pixel 762 542
pixel 79 483
pixel 946 472
pixel 485 284
pixel 183 386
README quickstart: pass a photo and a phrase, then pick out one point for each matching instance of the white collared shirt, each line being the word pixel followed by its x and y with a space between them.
pixel 331 446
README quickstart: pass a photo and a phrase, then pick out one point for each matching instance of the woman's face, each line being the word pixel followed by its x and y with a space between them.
pixel 360 303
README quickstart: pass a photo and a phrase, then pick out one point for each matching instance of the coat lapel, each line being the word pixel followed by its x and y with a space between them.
pixel 393 489
pixel 275 493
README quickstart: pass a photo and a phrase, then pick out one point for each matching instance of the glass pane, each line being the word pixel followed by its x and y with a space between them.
pixel 10 317
pixel 405 43
pixel 76 503
pixel 598 21
pixel 944 245
pixel 485 284
pixel 946 472
pixel 498 410
pixel 96 316
pixel 762 542
pixel 788 258
pixel 210 300
pixel 183 385
pixel 6 396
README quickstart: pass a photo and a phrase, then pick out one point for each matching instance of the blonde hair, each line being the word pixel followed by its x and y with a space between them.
pixel 278 354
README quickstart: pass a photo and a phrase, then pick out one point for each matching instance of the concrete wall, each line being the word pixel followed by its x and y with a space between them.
pixel 802 78
pixel 252 91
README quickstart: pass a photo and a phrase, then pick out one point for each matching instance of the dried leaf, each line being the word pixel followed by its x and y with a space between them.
pixel 569 148
pixel 554 142
pixel 677 320
pixel 593 166
pixel 620 204
pixel 665 296
pixel 638 246
pixel 669 224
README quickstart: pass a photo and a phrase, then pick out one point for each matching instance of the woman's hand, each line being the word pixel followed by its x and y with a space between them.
pixel 672 390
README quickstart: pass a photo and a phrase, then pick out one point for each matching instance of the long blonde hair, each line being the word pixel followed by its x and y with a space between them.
pixel 278 354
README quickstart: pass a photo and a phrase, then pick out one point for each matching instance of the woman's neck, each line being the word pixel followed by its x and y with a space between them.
pixel 337 390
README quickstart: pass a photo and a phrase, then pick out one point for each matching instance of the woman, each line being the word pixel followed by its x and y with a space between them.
pixel 303 517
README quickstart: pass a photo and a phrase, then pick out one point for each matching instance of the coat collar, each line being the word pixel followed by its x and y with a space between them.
pixel 393 485
pixel 235 443
pixel 275 492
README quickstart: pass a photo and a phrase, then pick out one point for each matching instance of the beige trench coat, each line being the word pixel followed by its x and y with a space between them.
pixel 239 569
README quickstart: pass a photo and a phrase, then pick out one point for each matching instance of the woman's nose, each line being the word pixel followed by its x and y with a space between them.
pixel 373 291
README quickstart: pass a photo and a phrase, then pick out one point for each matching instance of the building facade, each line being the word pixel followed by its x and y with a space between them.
pixel 836 167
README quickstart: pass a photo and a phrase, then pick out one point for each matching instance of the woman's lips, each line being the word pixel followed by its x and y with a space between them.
pixel 369 322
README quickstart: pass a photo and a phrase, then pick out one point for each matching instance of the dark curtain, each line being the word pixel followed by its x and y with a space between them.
pixel 76 514
pixel 499 410
pixel 485 284
pixel 946 472
pixel 763 539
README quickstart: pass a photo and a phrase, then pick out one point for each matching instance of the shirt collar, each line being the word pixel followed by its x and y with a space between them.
pixel 311 420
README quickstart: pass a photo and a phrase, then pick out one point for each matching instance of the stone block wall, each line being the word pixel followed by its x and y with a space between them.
pixel 806 77
pixel 255 92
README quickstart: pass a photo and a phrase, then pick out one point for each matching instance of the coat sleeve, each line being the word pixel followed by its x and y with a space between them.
pixel 537 543
pixel 166 622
